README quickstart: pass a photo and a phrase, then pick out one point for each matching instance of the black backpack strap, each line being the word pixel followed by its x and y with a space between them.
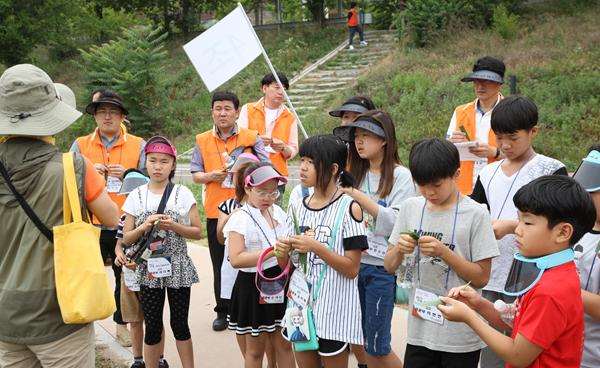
pixel 165 198
pixel 36 220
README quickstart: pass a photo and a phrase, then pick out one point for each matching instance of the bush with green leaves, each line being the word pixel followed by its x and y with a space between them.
pixel 384 12
pixel 131 66
pixel 504 23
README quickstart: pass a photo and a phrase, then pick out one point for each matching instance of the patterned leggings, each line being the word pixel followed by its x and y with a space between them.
pixel 153 303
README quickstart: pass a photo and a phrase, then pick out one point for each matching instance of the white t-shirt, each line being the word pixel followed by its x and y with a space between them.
pixel 492 187
pixel 585 256
pixel 180 204
pixel 251 224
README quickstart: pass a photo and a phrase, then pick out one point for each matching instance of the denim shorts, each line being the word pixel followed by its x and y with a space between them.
pixel 377 289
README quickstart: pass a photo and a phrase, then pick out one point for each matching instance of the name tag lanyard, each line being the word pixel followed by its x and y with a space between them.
pixel 312 260
pixel 417 258
pixel 511 184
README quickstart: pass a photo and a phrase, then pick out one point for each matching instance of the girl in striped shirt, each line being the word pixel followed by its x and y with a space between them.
pixel 336 306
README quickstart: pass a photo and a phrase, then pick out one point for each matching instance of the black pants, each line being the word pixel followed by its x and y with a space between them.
pixel 217 252
pixel 419 356
pixel 153 304
pixel 108 241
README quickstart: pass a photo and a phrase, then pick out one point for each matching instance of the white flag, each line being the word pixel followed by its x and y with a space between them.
pixel 224 49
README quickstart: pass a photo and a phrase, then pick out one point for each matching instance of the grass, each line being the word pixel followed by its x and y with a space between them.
pixel 554 56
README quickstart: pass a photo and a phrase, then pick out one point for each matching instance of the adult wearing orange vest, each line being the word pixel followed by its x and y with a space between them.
pixel 212 155
pixel 354 26
pixel 112 151
pixel 471 121
pixel 275 124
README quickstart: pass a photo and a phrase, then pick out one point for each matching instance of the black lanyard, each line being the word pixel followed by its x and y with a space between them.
pixel 260 228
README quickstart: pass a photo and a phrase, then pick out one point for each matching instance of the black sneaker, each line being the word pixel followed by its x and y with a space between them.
pixel 138 365
pixel 163 364
pixel 220 323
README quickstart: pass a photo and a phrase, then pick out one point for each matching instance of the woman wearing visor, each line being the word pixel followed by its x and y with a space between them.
pixel 351 108
pixel 586 258
pixel 547 318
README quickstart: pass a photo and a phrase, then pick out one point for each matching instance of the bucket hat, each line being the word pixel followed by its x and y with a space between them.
pixel 30 105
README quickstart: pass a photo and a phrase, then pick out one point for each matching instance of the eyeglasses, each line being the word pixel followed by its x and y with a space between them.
pixel 268 195
pixel 109 112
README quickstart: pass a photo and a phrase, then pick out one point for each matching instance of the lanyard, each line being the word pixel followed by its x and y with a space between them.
pixel 381 201
pixel 591 270
pixel 511 184
pixel 312 262
pixel 260 228
pixel 417 260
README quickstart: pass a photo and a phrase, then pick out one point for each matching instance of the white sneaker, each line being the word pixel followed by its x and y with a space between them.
pixel 350 47
pixel 363 43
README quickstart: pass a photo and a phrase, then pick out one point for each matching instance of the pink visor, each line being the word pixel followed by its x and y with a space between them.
pixel 262 175
pixel 243 158
pixel 158 144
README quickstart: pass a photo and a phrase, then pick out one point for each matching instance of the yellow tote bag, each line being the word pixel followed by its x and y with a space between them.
pixel 82 288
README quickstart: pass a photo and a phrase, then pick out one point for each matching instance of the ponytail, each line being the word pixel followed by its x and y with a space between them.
pixel 346 179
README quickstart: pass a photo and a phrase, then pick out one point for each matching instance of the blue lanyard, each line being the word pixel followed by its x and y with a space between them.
pixel 511 184
pixel 381 201
pixel 417 259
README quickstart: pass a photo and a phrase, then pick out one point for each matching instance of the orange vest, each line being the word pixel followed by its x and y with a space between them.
pixel 465 116
pixel 353 20
pixel 281 130
pixel 211 148
pixel 126 152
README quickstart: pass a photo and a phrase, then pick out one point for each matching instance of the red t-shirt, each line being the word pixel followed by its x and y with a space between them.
pixel 550 315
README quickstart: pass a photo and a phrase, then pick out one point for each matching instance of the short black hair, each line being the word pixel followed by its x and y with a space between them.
pixel 324 151
pixel 352 4
pixel 558 198
pixel 433 159
pixel 514 113
pixel 270 78
pixel 225 96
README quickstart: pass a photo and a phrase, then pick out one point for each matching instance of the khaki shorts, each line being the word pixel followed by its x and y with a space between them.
pixel 73 351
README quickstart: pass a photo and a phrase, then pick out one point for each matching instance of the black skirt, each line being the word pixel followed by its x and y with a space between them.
pixel 246 314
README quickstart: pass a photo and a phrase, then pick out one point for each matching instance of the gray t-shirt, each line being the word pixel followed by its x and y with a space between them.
pixel 380 229
pixel 588 267
pixel 473 240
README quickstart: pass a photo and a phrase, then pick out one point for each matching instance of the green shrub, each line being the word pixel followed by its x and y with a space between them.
pixel 131 66
pixel 504 23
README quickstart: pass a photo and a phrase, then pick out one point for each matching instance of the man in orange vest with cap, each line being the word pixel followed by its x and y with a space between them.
pixel 112 151
pixel 214 152
pixel 471 121
pixel 275 124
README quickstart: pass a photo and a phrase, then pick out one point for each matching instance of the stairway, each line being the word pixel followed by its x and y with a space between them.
pixel 338 70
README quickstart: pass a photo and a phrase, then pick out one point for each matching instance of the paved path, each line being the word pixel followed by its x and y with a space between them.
pixel 219 349
pixel 183 176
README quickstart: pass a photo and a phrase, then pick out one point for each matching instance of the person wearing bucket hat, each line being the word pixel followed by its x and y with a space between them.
pixel 214 152
pixel 33 332
pixel 112 150
pixel 471 122
pixel 166 269
pixel 351 108
pixel 587 260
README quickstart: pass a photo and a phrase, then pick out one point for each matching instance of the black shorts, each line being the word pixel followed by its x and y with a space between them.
pixel 326 347
pixel 422 357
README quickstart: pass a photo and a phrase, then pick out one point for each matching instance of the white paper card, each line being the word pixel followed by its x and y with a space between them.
pixel 113 184
pixel 423 306
pixel 298 290
pixel 131 280
pixel 159 266
pixel 463 151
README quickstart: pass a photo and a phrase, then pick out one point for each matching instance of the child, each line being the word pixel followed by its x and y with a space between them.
pixel 351 108
pixel 255 227
pixel 179 220
pixel 587 262
pixel 333 258
pixel 514 122
pixel 382 185
pixel 547 320
pixel 454 247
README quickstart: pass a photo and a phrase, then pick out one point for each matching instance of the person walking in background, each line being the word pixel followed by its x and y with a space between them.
pixel 354 26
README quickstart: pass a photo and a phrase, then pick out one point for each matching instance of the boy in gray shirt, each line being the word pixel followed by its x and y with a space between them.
pixel 454 247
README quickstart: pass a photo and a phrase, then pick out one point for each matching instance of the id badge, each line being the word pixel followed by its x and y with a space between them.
pixel 377 245
pixel 271 299
pixel 159 266
pixel 131 280
pixel 299 290
pixel 113 184
pixel 425 306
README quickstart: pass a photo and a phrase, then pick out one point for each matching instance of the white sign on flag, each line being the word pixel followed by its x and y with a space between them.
pixel 224 49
